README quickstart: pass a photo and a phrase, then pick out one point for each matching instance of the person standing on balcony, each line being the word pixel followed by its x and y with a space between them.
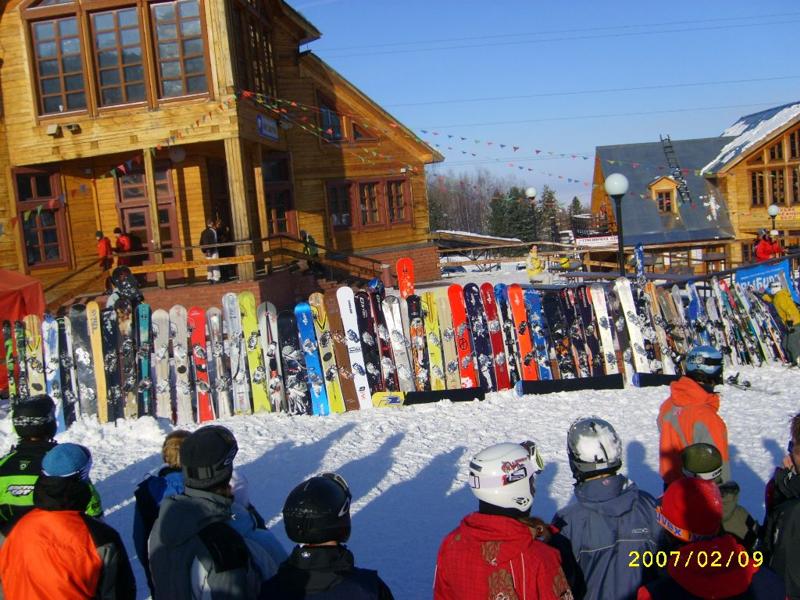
pixel 209 240
pixel 122 244
pixel 104 251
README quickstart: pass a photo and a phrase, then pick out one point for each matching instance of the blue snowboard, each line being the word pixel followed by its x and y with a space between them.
pixel 314 373
pixel 480 337
pixel 539 332
pixel 143 324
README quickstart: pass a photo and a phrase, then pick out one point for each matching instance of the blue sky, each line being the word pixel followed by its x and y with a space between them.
pixel 535 74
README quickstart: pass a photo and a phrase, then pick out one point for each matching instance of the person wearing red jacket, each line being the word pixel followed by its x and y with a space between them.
pixel 123 244
pixel 764 248
pixel 493 553
pixel 104 251
pixel 691 414
pixel 701 563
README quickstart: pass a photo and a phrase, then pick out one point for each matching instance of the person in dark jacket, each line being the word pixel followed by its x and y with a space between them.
pixel 610 518
pixel 195 550
pixel 781 541
pixel 151 492
pixel 494 552
pixel 701 562
pixel 56 550
pixel 209 240
pixel 317 517
pixel 705 462
pixel 35 423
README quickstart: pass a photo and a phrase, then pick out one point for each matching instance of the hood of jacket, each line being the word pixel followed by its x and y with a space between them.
pixel 321 567
pixel 612 496
pixel 687 392
pixel 182 516
pixel 723 580
pixel 788 483
pixel 504 537
pixel 61 493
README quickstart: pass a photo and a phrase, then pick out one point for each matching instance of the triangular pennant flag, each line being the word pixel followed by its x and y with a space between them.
pixel 39 210
pixel 502 145
pixel 635 165
pixel 13 221
pixel 424 130
pixel 537 151
pixel 26 215
pixel 52 204
pixel 515 148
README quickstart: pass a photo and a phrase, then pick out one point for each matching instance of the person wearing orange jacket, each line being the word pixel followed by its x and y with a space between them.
pixel 691 414
pixel 56 550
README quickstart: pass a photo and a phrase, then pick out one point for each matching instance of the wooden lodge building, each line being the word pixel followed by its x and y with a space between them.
pixel 697 205
pixel 155 115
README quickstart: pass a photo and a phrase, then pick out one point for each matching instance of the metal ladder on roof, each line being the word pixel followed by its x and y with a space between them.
pixel 675 169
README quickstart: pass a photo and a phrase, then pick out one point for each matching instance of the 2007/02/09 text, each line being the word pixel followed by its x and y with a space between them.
pixel 702 558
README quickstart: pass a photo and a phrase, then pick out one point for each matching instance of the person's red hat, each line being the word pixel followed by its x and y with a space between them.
pixel 691 509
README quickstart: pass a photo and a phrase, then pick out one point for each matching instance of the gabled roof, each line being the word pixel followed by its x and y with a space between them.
pixel 750 130
pixel 406 135
pixel 310 33
pixel 655 180
pixel 706 218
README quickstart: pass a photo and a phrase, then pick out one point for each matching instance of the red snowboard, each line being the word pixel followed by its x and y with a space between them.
pixel 527 358
pixel 196 321
pixel 466 358
pixel 495 336
pixel 405 277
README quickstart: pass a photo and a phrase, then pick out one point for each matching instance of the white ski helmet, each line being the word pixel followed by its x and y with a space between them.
pixel 593 447
pixel 502 475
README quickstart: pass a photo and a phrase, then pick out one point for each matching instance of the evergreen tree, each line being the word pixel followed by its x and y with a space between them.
pixel 575 207
pixel 548 228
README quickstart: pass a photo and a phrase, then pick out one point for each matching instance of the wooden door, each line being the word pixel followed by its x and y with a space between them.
pixel 137 223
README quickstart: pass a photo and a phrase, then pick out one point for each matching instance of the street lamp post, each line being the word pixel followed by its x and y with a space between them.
pixel 616 185
pixel 530 194
pixel 773 211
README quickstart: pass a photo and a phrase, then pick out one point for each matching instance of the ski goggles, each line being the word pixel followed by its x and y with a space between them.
pixel 708 476
pixel 533 452
pixel 705 360
pixel 679 532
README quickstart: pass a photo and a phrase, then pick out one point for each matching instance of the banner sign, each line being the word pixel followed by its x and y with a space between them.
pixel 602 241
pixel 267 127
pixel 760 276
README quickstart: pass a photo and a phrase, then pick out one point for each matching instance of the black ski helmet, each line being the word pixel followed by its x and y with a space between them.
pixel 35 417
pixel 318 510
pixel 207 457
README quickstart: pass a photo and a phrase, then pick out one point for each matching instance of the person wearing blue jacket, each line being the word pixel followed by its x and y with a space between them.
pixel 610 518
pixel 150 492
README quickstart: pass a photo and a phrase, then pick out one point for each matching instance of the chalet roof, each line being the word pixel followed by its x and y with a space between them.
pixel 705 218
pixel 406 134
pixel 750 130
pixel 311 32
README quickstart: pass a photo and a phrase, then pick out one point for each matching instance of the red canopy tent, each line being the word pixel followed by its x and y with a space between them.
pixel 20 295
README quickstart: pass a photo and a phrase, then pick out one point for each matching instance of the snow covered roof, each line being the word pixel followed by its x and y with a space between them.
pixel 454 233
pixel 750 130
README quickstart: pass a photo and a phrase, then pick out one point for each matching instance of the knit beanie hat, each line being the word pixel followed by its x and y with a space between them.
pixel 68 460
pixel 35 418
pixel 691 509
pixel 207 457
pixel 703 461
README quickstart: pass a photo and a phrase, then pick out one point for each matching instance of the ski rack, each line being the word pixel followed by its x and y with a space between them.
pixel 653 379
pixel 551 386
pixel 462 395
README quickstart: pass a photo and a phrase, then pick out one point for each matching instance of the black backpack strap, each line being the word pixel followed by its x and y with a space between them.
pixel 226 547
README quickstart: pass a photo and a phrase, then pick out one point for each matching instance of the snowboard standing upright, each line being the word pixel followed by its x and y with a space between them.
pixel 400 344
pixel 433 336
pixel 419 351
pixel 178 326
pixel 232 324
pixel 196 322
pixel 341 352
pixel 34 356
pixel 52 366
pixel 463 337
pixel 333 385
pixel 161 363
pixel 277 392
pixel 84 365
pixel 405 277
pixel 448 339
pixel 540 333
pixel 377 293
pixel 308 342
pixel 145 381
pixel 8 343
pixel 527 357
pixel 639 355
pixel 509 332
pixel 298 396
pixel 127 354
pixel 98 357
pixel 480 337
pixel 605 325
pixel 255 358
pixel 65 412
pixel 495 336
pixel 369 341
pixel 347 309
pixel 559 332
pixel 110 337
pixel 218 363
pixel 22 363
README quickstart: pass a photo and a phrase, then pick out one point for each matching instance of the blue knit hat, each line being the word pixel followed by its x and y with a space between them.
pixel 68 460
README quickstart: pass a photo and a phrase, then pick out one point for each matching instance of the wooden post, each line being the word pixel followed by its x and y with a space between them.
pixel 152 201
pixel 237 191
pixel 261 196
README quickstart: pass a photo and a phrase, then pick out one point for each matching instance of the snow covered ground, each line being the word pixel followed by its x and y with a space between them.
pixel 407 467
